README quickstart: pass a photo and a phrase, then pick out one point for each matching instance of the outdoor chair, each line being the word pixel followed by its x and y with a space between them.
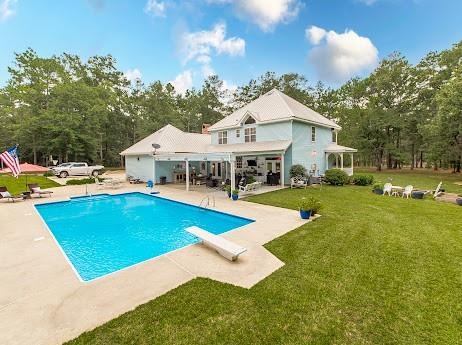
pixel 4 194
pixel 35 189
pixel 298 182
pixel 387 188
pixel 407 192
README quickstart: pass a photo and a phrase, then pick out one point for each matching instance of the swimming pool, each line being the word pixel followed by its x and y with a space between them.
pixel 106 233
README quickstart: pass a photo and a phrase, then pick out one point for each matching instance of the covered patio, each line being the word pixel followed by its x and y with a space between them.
pixel 228 163
pixel 338 156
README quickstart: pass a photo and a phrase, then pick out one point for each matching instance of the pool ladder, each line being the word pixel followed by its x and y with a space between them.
pixel 205 202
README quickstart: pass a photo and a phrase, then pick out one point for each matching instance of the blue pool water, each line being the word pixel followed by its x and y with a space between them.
pixel 106 233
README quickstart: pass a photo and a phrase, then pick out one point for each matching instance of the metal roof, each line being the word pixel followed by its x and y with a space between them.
pixel 259 146
pixel 334 148
pixel 171 140
pixel 273 106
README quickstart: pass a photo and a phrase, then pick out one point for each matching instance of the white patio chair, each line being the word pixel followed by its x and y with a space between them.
pixel 298 182
pixel 387 188
pixel 407 192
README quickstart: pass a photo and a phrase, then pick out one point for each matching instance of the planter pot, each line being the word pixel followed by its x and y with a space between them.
pixel 459 201
pixel 305 214
pixel 378 191
pixel 418 195
pixel 235 196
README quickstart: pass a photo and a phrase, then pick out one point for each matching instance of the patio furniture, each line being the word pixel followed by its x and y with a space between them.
pixel 224 247
pixel 387 189
pixel 35 189
pixel 407 192
pixel 298 182
pixel 5 194
pixel 395 190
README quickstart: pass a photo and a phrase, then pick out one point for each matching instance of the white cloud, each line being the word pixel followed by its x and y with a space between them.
pixel 133 74
pixel 338 57
pixel 182 82
pixel 315 34
pixel 201 45
pixel 156 8
pixel 6 9
pixel 267 14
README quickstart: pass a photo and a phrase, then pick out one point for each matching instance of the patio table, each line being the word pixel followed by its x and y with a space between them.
pixel 395 190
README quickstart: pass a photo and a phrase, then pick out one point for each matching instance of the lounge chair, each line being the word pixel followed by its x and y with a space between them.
pixel 250 187
pixel 4 194
pixel 407 192
pixel 298 182
pixel 436 192
pixel 387 188
pixel 35 189
pixel 227 249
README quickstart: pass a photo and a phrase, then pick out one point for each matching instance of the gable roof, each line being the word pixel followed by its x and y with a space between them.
pixel 274 106
pixel 171 140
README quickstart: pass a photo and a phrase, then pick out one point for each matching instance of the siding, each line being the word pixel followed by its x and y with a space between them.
pixel 303 147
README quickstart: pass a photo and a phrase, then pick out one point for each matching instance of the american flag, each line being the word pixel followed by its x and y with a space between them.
pixel 10 159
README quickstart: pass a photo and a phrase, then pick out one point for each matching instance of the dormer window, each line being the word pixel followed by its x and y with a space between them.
pixel 222 137
pixel 250 121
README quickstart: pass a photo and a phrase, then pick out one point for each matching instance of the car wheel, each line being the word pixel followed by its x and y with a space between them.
pixel 95 173
pixel 63 174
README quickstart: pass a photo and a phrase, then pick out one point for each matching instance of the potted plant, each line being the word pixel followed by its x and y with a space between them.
pixel 315 205
pixel 459 200
pixel 377 188
pixel 235 194
pixel 304 206
pixel 227 189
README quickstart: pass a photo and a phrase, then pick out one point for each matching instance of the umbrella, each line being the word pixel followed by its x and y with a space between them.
pixel 26 167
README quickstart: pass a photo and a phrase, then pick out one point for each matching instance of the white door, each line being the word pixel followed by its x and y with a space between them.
pixel 274 166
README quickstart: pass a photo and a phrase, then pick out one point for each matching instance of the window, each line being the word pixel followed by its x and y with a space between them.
pixel 334 136
pixel 313 134
pixel 239 162
pixel 250 135
pixel 238 133
pixel 223 137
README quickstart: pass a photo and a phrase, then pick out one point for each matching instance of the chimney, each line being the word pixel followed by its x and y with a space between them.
pixel 205 128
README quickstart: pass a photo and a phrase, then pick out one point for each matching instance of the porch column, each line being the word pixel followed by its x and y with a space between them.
pixel 341 161
pixel 352 164
pixel 282 171
pixel 327 160
pixel 233 177
pixel 187 175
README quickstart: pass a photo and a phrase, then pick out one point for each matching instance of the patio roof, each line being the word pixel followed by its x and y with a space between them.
pixel 334 148
pixel 254 147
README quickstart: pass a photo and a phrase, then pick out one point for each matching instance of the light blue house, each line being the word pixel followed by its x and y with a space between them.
pixel 264 138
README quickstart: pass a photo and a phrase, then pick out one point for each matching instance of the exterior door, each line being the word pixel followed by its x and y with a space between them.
pixel 273 166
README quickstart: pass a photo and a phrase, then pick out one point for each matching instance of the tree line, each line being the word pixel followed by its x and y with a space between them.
pixel 401 114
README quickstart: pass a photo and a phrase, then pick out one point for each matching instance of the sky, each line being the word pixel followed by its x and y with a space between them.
pixel 185 41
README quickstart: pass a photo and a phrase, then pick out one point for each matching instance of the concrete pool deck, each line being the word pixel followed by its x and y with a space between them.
pixel 42 300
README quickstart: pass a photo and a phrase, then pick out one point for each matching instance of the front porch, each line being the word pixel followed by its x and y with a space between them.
pixel 340 157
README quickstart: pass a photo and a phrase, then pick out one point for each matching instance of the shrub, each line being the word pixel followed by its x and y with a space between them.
pixel 48 173
pixel 235 191
pixel 363 179
pixel 75 182
pixel 377 185
pixel 336 177
pixel 297 170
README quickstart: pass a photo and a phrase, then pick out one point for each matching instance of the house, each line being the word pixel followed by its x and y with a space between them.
pixel 264 138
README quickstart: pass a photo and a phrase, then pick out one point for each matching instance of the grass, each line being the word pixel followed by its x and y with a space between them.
pixel 372 270
pixel 18 185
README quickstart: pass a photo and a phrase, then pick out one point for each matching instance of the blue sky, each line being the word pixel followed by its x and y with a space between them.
pixel 183 41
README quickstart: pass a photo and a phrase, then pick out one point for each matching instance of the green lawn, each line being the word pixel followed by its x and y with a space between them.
pixel 373 270
pixel 18 185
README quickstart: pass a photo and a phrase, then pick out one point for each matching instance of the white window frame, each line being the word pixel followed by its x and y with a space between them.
pixel 250 134
pixel 222 137
pixel 313 134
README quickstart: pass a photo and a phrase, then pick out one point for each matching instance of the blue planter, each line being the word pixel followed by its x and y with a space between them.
pixel 235 196
pixel 305 214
